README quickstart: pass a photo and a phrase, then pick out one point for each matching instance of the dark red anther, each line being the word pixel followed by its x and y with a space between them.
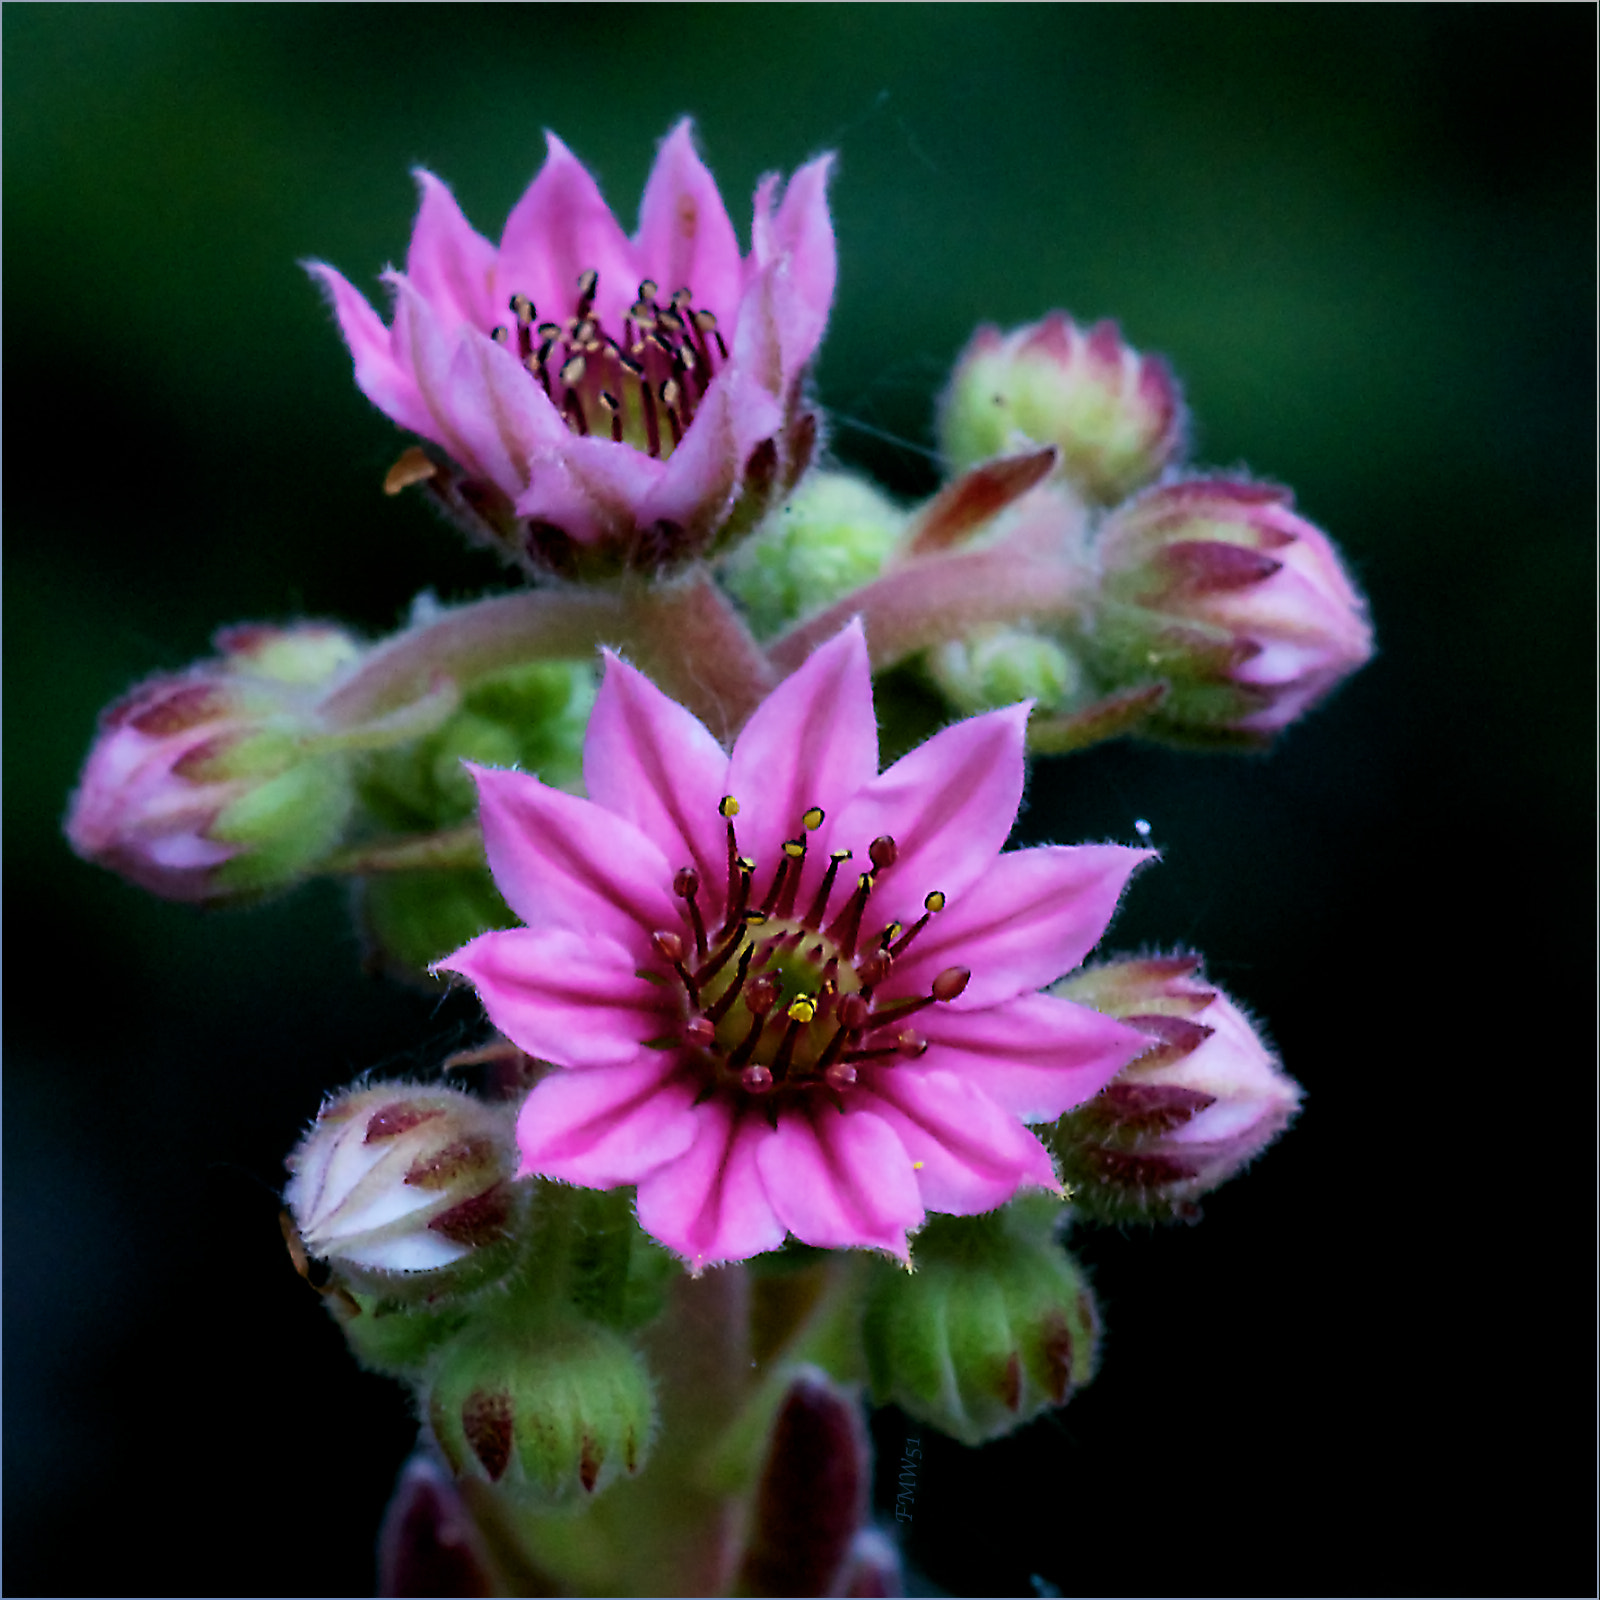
pixel 854 1012
pixel 700 1033
pixel 840 1075
pixel 873 968
pixel 756 1079
pixel 911 1044
pixel 883 853
pixel 686 885
pixel 951 982
pixel 763 993
pixel 668 946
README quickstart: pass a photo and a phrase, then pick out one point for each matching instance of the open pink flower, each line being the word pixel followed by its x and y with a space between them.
pixel 608 400
pixel 793 995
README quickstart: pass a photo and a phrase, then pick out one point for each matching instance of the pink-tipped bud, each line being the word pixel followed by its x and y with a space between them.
pixel 398 1180
pixel 1218 588
pixel 1114 416
pixel 1184 1117
pixel 208 785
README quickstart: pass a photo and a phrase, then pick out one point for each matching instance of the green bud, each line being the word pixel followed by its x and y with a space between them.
pixel 409 920
pixel 1000 666
pixel 834 534
pixel 995 1325
pixel 550 1412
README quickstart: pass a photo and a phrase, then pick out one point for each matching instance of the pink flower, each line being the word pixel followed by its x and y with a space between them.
pixel 606 396
pixel 1243 606
pixel 792 995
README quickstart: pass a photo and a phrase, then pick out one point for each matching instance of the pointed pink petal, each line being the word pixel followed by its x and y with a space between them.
pixel 567 863
pixel 606 1125
pixel 450 262
pixel 423 347
pixel 840 1181
pixel 685 238
pixel 560 229
pixel 1036 1056
pixel 968 1154
pixel 948 806
pixel 384 380
pixel 800 236
pixel 648 759
pixel 571 998
pixel 1034 915
pixel 812 742
pixel 709 1205
pixel 609 481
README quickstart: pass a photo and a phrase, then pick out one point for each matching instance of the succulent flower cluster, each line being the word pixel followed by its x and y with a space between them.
pixel 765 1022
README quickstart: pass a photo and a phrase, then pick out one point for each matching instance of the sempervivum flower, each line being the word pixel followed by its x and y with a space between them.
pixel 792 994
pixel 609 400
pixel 1242 606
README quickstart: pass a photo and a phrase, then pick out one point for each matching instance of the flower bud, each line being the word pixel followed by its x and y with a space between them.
pixel 395 1182
pixel 1186 1115
pixel 1115 416
pixel 831 536
pixel 551 1412
pixel 209 785
pixel 1242 607
pixel 994 1326
pixel 1000 666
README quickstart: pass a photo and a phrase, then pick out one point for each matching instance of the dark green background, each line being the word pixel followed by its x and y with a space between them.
pixel 1364 236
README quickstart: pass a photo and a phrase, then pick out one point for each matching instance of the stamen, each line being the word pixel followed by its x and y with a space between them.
pixel 500 334
pixel 800 1013
pixel 588 283
pixel 613 407
pixel 647 290
pixel 873 968
pixel 756 1079
pixel 700 1033
pixel 724 1002
pixel 840 1075
pixel 848 923
pixel 747 1045
pixel 934 902
pixel 670 948
pixel 794 858
pixel 819 906
pixel 813 819
pixel 686 885
pixel 946 987
pixel 521 308
pixel 572 372
pixel 883 853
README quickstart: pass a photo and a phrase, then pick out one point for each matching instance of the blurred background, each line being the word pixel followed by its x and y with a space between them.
pixel 1364 237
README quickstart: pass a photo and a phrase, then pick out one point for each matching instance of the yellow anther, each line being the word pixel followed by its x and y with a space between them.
pixel 935 901
pixel 727 806
pixel 893 932
pixel 813 818
pixel 802 1009
pixel 794 849
pixel 917 1166
pixel 747 863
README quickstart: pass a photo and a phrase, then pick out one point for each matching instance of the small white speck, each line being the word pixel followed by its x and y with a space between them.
pixel 1142 828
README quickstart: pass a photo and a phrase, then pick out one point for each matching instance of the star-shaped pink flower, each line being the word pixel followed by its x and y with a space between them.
pixel 606 397
pixel 792 994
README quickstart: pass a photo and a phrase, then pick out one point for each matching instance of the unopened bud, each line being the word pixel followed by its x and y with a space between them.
pixel 395 1182
pixel 1000 666
pixel 1114 416
pixel 547 1413
pixel 1242 607
pixel 832 535
pixel 1185 1116
pixel 211 785
pixel 994 1326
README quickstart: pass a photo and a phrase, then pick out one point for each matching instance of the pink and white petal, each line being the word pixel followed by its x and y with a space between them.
pixel 812 742
pixel 685 238
pixel 948 806
pixel 800 236
pixel 1034 915
pixel 560 229
pixel 556 495
pixel 571 998
pixel 1036 1056
pixel 710 1205
pixel 562 862
pixel 968 1154
pixel 428 353
pixel 387 382
pixel 450 262
pixel 841 1181
pixel 606 1125
pixel 648 759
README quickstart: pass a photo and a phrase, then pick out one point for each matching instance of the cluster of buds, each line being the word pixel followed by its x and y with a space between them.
pixel 1206 1098
pixel 219 783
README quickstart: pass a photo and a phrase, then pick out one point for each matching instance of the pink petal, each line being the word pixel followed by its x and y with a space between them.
pixel 606 1125
pixel 1035 1057
pixel 608 480
pixel 572 998
pixel 450 262
pixel 800 236
pixel 948 806
pixel 1032 916
pixel 648 759
pixel 840 1181
pixel 709 1205
pixel 427 352
pixel 386 382
pixel 812 742
pixel 560 229
pixel 685 237
pixel 969 1155
pixel 567 863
